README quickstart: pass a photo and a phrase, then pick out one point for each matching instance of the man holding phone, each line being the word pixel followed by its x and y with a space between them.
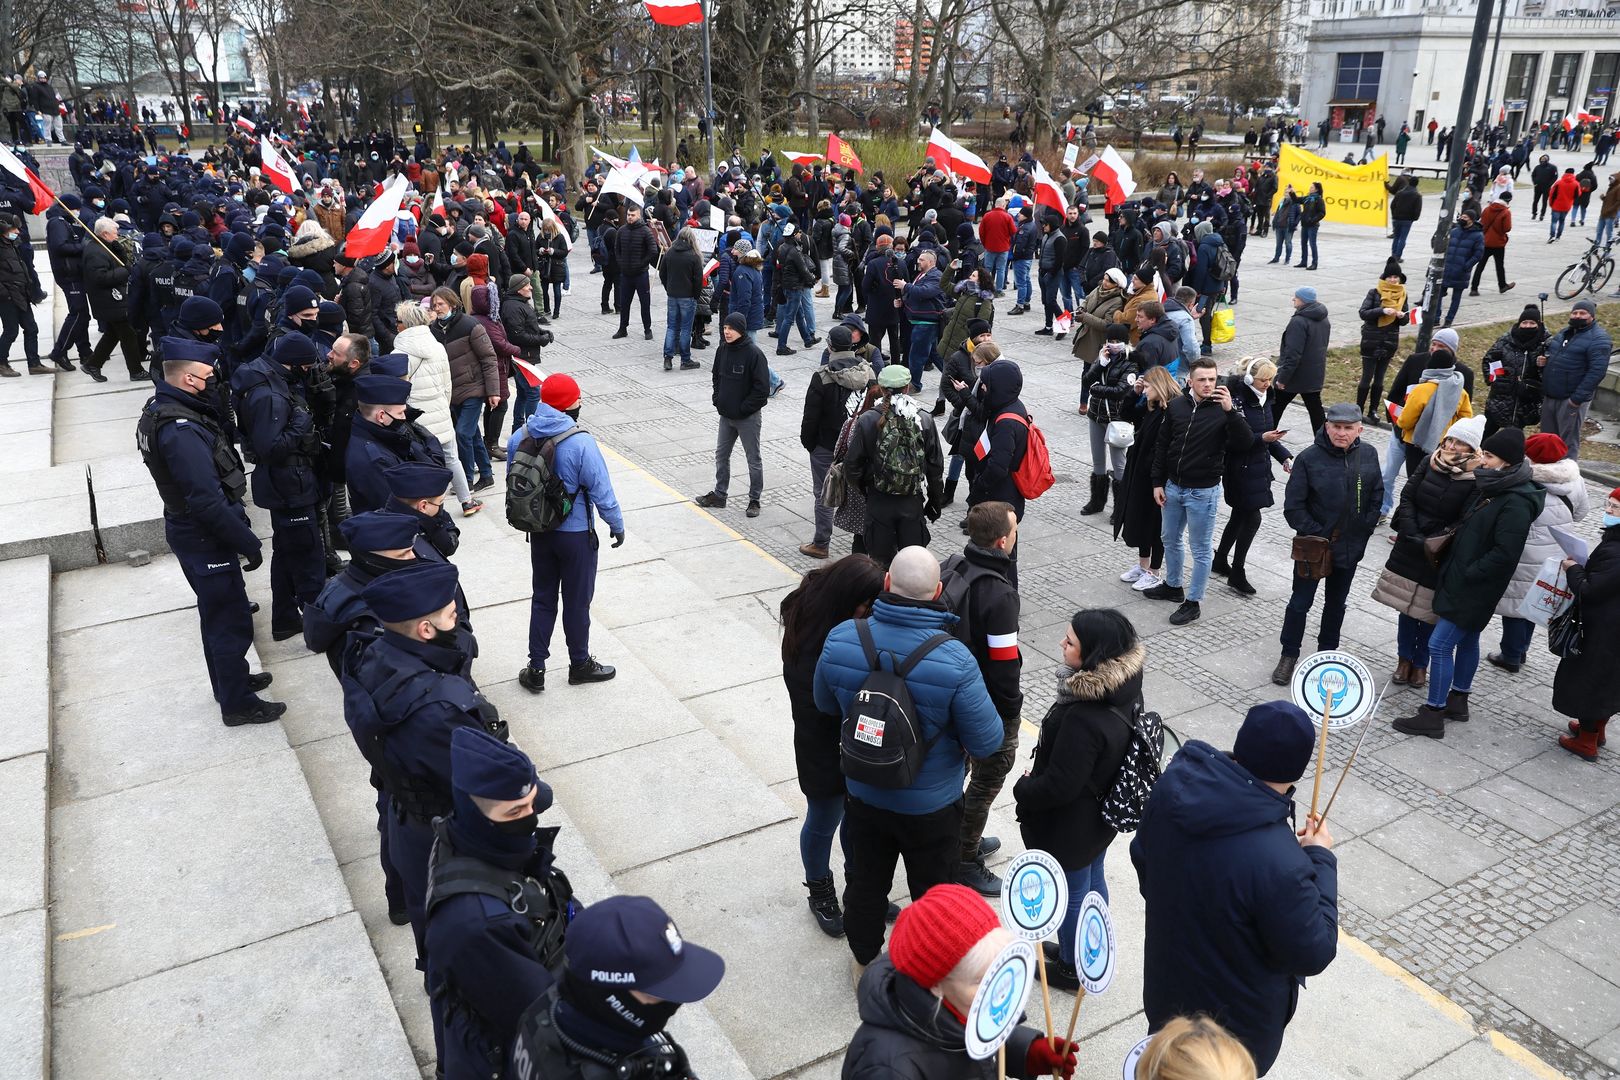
pixel 1188 462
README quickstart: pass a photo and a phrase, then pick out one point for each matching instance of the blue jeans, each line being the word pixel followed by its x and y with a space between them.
pixel 955 471
pixel 1307 244
pixel 1394 465
pixel 1516 636
pixel 1082 881
pixel 996 263
pixel 1605 231
pixel 1020 269
pixel 1194 510
pixel 1398 248
pixel 920 352
pixel 1285 245
pixel 1456 292
pixel 1073 293
pixel 470 437
pixel 527 398
pixel 678 318
pixel 1412 641
pixel 1556 228
pixel 1453 659
pixel 845 300
pixel 795 311
pixel 822 818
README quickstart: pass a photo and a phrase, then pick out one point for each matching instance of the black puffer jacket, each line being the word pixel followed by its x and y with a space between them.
pixel 1431 502
pixel 1302 358
pixel 1082 742
pixel 906 1034
pixel 742 381
pixel 1514 399
pixel 635 248
pixel 1105 388
pixel 1247 482
pixel 1378 342
pixel 826 398
pixel 1584 686
pixel 522 325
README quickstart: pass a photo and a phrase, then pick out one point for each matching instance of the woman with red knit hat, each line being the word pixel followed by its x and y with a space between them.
pixel 1584 686
pixel 914 1001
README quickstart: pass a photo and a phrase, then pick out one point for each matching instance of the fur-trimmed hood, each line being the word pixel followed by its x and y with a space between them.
pixel 1106 679
pixel 307 245
pixel 1563 478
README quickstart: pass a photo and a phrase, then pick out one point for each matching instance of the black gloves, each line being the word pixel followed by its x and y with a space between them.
pixel 618 539
pixel 252 562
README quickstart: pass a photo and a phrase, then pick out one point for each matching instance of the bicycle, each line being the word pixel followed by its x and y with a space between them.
pixel 1590 274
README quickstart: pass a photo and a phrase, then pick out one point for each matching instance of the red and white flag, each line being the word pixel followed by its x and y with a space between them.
pixel 1394 411
pixel 531 374
pixel 244 124
pixel 438 203
pixel 372 232
pixel 548 214
pixel 801 158
pixel 1161 287
pixel 1568 124
pixel 710 267
pixel 675 12
pixel 276 169
pixel 981 449
pixel 43 195
pixel 1415 316
pixel 953 157
pixel 1115 176
pixel 1048 192
pixel 1493 370
pixel 1063 321
pixel 1002 646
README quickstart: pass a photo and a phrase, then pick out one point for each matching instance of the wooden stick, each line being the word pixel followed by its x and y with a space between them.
pixel 1074 1015
pixel 1321 751
pixel 1046 997
pixel 1366 727
pixel 1001 1062
pixel 73 216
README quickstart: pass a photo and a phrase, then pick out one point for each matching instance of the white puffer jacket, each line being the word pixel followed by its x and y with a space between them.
pixel 429 373
pixel 1559 478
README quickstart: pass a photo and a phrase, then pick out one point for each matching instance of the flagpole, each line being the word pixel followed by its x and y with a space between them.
pixel 708 89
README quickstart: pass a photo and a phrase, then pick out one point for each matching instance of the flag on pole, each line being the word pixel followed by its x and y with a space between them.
pixel 43 195
pixel 1160 287
pixel 548 214
pixel 616 162
pixel 799 158
pixel 371 233
pixel 634 158
pixel 1415 316
pixel 710 267
pixel 841 153
pixel 1068 131
pixel 675 12
pixel 244 124
pixel 1568 123
pixel 1115 176
pixel 622 182
pixel 531 374
pixel 275 167
pixel 1048 192
pixel 955 158
pixel 437 206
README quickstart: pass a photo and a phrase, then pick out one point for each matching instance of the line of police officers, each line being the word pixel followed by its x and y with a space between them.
pixel 523 981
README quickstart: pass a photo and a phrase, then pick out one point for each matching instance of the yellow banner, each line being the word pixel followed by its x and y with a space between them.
pixel 1355 194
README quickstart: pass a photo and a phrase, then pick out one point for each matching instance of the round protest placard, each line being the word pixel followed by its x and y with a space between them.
pixel 1094 953
pixel 1334 679
pixel 1133 1057
pixel 999 1002
pixel 1034 895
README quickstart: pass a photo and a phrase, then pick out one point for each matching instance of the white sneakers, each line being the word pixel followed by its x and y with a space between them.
pixel 1133 574
pixel 1147 581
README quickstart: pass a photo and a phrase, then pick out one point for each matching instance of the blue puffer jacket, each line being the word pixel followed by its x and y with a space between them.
pixel 748 295
pixel 1464 248
pixel 946 688
pixel 1575 363
pixel 580 466
pixel 1238 913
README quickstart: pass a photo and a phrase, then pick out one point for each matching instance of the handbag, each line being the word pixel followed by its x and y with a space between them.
pixel 1313 556
pixel 1121 434
pixel 1564 631
pixel 1549 593
pixel 1435 547
pixel 834 486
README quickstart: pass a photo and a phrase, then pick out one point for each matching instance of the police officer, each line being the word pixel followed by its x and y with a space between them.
pixel 418 488
pixel 627 972
pixel 402 699
pixel 230 285
pixel 381 435
pixel 65 238
pixel 200 479
pixel 280 429
pixel 497 907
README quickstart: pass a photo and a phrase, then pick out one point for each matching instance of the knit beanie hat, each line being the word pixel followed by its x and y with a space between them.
pixel 1544 448
pixel 1507 444
pixel 934 933
pixel 1531 313
pixel 1392 268
pixel 1470 430
pixel 1275 742
pixel 1117 332
pixel 1447 338
pixel 560 392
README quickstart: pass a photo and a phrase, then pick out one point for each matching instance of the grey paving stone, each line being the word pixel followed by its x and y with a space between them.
pixel 112 593
pixel 23 790
pixel 1490 742
pixel 395 952
pixel 1569 999
pixel 1589 935
pixel 97 661
pixel 1554 773
pixel 721 574
pixel 1359 807
pixel 700 652
pixel 1378 882
pixel 1520 807
pixel 24 1050
pixel 755 723
pixel 325 1014
pixel 1244 664
pixel 1607 1049
pixel 1428 761
pixel 186 868
pixel 1421 840
pixel 314 701
pixel 644 592
pixel 25 680
pixel 339 782
pixel 1473 1060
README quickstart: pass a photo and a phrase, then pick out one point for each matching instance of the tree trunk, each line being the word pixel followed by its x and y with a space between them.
pixel 571 144
pixel 812 114
pixel 914 74
pixel 753 80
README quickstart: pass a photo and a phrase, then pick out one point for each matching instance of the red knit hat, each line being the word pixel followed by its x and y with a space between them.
pixel 1545 448
pixel 560 391
pixel 934 933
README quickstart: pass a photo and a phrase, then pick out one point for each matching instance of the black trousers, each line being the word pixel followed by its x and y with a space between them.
pixel 1538 203
pixel 875 840
pixel 634 285
pixel 75 332
pixel 1336 594
pixel 17 318
pixel 893 522
pixel 297 564
pixel 1313 406
pixel 1492 254
pixel 124 335
pixel 1241 529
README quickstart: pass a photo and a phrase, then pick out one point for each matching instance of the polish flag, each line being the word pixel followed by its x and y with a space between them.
pixel 548 214
pixel 275 167
pixel 1063 321
pixel 1048 192
pixel 43 195
pixel 244 124
pixel 1161 287
pixel 1415 316
pixel 1115 176
pixel 1394 412
pixel 709 268
pixel 1568 124
pixel 438 203
pixel 616 162
pixel 531 374
pixel 1002 646
pixel 675 12
pixel 981 449
pixel 371 233
pixel 956 158
pixel 1493 370
pixel 800 158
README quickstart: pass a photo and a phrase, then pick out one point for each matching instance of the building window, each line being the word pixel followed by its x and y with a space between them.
pixel 1561 84
pixel 1600 86
pixel 1358 76
pixel 1521 77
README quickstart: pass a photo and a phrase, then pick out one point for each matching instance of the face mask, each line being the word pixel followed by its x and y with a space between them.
pixel 98 204
pixel 413 260
pixel 12 237
pixel 615 1009
pixel 1577 325
pixel 249 273
pixel 1611 520
pixel 444 639
pixel 211 384
pixel 522 826
pixel 443 318
pixel 455 259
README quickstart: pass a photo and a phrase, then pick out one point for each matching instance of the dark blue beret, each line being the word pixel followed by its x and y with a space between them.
pixel 482 765
pixel 379 531
pixel 411 592
pixel 416 480
pixel 389 364
pixel 381 390
pixel 295 350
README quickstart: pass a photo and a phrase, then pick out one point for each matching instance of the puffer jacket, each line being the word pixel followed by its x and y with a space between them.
pixel 1104 388
pixel 1431 502
pixel 1566 504
pixel 1514 398
pixel 953 706
pixel 1082 743
pixel 1464 247
pixel 1379 342
pixel 474 370
pixel 1332 489
pixel 970 304
pixel 1484 555
pixel 428 369
pixel 482 311
pixel 827 397
pixel 1576 363
pixel 1302 358
pixel 522 325
pixel 1246 483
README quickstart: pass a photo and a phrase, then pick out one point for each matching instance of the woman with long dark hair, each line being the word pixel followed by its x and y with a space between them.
pixel 1136 515
pixel 1247 481
pixel 826 597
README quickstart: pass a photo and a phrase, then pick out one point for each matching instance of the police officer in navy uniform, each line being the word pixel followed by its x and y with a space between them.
pixel 230 284
pixel 628 970
pixel 201 481
pixel 497 907
pixel 418 489
pixel 383 433
pixel 403 699
pixel 279 427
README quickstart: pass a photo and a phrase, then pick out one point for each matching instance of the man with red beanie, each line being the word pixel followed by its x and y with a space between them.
pixel 914 1001
pixel 1239 909
pixel 563 558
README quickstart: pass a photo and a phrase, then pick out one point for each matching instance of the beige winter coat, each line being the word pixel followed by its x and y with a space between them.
pixel 429 372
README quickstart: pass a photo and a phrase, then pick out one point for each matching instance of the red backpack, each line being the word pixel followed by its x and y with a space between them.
pixel 1034 473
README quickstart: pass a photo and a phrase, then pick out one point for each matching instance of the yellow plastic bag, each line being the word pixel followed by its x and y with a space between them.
pixel 1222 326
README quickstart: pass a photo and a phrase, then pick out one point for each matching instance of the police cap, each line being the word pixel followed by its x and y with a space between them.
pixel 376 530
pixel 416 480
pixel 411 592
pixel 381 390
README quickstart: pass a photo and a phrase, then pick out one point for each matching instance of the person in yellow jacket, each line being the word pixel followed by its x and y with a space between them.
pixel 1438 400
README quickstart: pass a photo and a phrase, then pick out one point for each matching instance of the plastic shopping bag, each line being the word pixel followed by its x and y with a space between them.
pixel 1222 325
pixel 1549 593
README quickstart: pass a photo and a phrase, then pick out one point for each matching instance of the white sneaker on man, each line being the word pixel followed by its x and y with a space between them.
pixel 1148 580
pixel 1133 574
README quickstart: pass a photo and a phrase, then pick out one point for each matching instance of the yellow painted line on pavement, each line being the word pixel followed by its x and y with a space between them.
pixel 89 931
pixel 1503 1044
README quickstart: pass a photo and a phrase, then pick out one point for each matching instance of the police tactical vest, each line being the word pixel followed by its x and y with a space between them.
pixel 540 1051
pixel 227 465
pixel 544 905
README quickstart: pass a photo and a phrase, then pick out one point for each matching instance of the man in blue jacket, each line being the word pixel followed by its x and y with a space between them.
pixel 1577 358
pixel 564 559
pixel 1239 909
pixel 922 823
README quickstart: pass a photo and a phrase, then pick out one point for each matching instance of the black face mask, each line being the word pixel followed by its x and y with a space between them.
pixel 615 1009
pixel 1577 325
pixel 1526 335
pixel 573 414
pixel 211 385
pixel 444 639
pixel 522 826
pixel 207 335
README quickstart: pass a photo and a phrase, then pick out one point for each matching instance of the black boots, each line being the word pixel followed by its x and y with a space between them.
pixel 823 901
pixel 950 492
pixel 1457 706
pixel 1099 496
pixel 1429 721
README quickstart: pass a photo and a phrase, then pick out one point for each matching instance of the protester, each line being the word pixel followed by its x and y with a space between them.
pixel 1109 379
pixel 1511 369
pixel 1584 685
pixel 1137 519
pixel 1194 1049
pixel 1577 358
pixel 1431 406
pixel 893 459
pixel 1246 482
pixel 428 370
pixel 826 406
pixel 1561 200
pixel 1005 426
pixel 1302 357
pixel 741 389
pixel 1312 211
pixel 1465 249
pixel 1497 222
pixel 1383 310
pixel 475 381
pixel 959 383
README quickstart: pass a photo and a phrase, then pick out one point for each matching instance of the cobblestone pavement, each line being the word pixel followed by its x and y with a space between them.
pixel 1487 864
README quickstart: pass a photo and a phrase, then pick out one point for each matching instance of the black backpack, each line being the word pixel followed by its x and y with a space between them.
pixel 880 741
pixel 536 500
pixel 959 576
pixel 1122 807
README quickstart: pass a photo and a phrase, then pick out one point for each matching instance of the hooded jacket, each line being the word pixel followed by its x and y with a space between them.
pixel 1514 398
pixel 742 380
pixel 1576 363
pixel 1238 913
pixel 579 464
pixel 428 369
pixel 748 293
pixel 1302 358
pixel 827 397
pixel 277 425
pixel 474 370
pixel 1566 503
pixel 1484 554
pixel 999 386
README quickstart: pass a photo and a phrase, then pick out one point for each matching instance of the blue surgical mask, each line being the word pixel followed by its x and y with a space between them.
pixel 249 273
pixel 1611 520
